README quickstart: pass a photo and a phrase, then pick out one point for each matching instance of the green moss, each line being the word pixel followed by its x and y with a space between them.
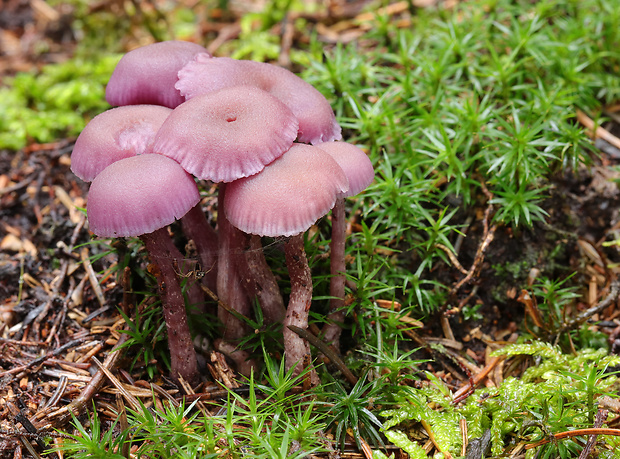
pixel 54 103
pixel 557 394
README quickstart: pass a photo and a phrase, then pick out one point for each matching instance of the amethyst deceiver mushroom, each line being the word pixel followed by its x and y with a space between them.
pixel 317 122
pixel 140 196
pixel 228 134
pixel 147 75
pixel 285 199
pixel 115 134
pixel 360 173
pixel 223 136
pixel 127 131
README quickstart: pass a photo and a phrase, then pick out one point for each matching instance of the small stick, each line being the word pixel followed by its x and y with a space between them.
pixel 94 351
pixel 445 326
pixel 92 277
pixel 124 424
pixel 431 436
pixel 488 234
pixel 467 389
pixel 18 186
pixel 160 391
pixel 576 433
pixel 464 438
pixel 60 390
pixel 452 257
pixel 23 343
pixel 190 391
pixel 599 132
pixel 16 433
pixel 601 415
pixel 55 352
pixel 223 305
pixel 131 399
pixel 585 315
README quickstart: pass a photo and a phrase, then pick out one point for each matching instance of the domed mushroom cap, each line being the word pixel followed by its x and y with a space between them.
pixel 317 122
pixel 139 195
pixel 147 75
pixel 227 134
pixel 354 162
pixel 118 133
pixel 288 196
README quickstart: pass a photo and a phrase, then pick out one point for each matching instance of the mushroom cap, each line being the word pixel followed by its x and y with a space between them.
pixel 288 196
pixel 317 122
pixel 115 134
pixel 227 134
pixel 138 195
pixel 354 162
pixel 147 75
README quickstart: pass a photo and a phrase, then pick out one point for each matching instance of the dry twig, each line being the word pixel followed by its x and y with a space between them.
pixel 614 291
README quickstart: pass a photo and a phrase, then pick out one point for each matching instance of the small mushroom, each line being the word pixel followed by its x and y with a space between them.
pixel 360 173
pixel 140 196
pixel 285 199
pixel 115 134
pixel 127 131
pixel 223 136
pixel 205 74
pixel 147 75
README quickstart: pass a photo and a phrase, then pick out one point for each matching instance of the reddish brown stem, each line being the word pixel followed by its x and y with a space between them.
pixel 296 348
pixel 335 318
pixel 229 287
pixel 182 354
pixel 197 228
pixel 259 281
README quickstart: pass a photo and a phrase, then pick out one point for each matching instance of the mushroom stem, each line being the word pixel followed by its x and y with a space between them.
pixel 260 282
pixel 332 329
pixel 197 228
pixel 296 349
pixel 228 280
pixel 182 354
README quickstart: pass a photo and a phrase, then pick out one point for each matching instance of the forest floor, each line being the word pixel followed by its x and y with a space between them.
pixel 59 311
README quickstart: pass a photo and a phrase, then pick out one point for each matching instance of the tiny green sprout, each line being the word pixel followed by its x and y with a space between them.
pixel 91 442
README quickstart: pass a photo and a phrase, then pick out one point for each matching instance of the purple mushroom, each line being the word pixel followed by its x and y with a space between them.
pixel 285 199
pixel 223 136
pixel 147 75
pixel 205 74
pixel 228 134
pixel 360 173
pixel 140 196
pixel 127 131
pixel 115 134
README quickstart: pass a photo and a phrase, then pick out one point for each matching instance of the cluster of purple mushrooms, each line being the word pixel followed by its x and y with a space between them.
pixel 271 143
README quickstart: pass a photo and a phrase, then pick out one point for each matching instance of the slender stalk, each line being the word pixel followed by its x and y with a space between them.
pixel 260 282
pixel 229 287
pixel 197 228
pixel 335 318
pixel 182 354
pixel 296 349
